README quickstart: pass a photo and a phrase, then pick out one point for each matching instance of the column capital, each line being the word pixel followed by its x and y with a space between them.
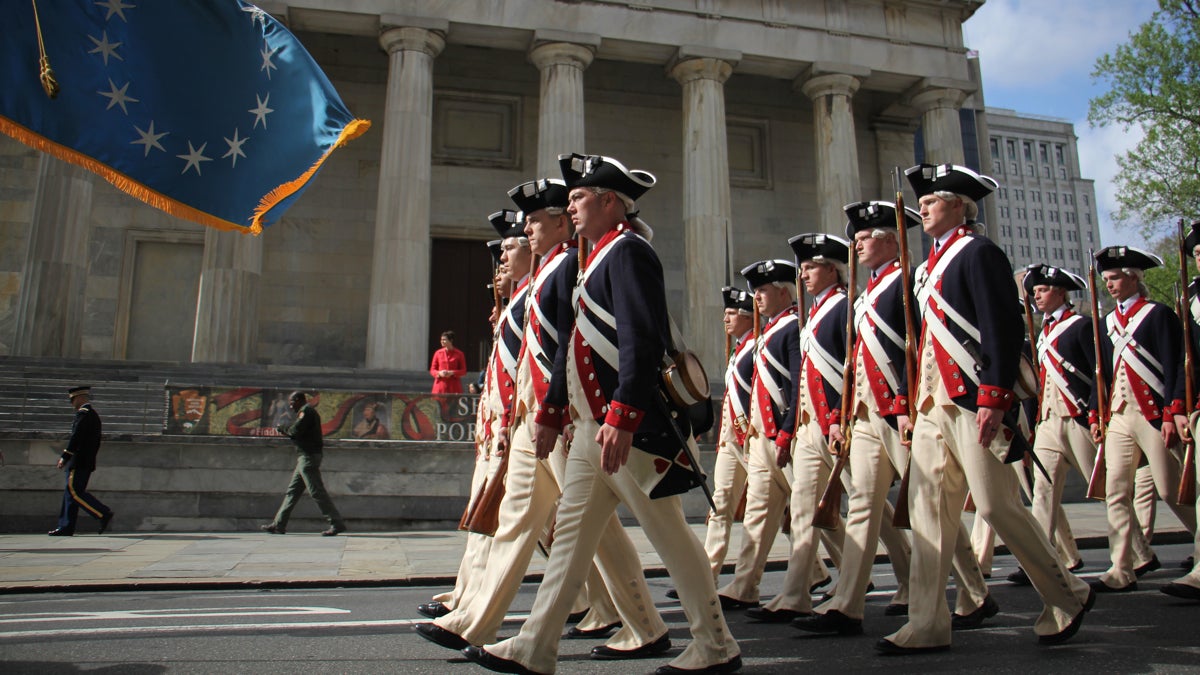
pixel 413 34
pixel 829 84
pixel 546 54
pixel 700 68
pixel 933 93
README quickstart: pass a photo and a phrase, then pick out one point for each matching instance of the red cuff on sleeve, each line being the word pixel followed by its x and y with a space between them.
pixel 550 416
pixel 783 439
pixel 995 397
pixel 835 417
pixel 623 417
pixel 1093 417
pixel 1176 408
pixel 900 405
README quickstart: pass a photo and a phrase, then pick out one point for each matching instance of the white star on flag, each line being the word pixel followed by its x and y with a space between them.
pixel 149 139
pixel 105 48
pixel 118 96
pixel 235 147
pixel 114 7
pixel 194 157
pixel 267 53
pixel 260 113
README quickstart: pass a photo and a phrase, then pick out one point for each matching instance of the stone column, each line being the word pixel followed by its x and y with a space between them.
pixel 561 59
pixel 895 140
pixel 938 102
pixel 398 325
pixel 838 181
pixel 227 305
pixel 50 308
pixel 706 202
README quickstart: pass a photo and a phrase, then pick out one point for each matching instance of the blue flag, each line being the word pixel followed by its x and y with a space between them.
pixel 207 109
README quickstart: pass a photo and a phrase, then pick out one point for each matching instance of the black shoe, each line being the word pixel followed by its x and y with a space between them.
pixel 61 532
pixel 1189 563
pixel 832 622
pixel 334 531
pixel 104 521
pixel 1149 567
pixel 1183 591
pixel 987 610
pixel 432 610
pixel 673 594
pixel 576 617
pixel 764 615
pixel 494 663
pixel 1073 627
pixel 888 648
pixel 821 584
pixel 731 666
pixel 733 603
pixel 660 646
pixel 1077 566
pixel 273 529
pixel 438 635
pixel 573 633
pixel 1101 587
pixel 896 609
pixel 1019 578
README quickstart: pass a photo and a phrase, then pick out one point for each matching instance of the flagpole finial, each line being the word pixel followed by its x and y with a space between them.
pixel 45 72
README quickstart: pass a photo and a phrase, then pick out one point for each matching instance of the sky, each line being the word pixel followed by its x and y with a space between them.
pixel 1037 57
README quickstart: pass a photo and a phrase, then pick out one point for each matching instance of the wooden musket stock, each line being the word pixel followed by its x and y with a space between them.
pixel 901 517
pixel 1187 477
pixel 828 514
pixel 1096 483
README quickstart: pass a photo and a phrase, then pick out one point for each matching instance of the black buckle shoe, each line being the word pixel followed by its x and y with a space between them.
pixel 987 610
pixel 438 635
pixel 494 663
pixel 660 646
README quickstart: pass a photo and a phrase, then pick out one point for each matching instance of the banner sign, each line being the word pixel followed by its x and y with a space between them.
pixel 249 411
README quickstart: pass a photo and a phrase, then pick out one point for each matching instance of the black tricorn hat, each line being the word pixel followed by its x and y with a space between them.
pixel 536 195
pixel 1192 239
pixel 736 298
pixel 605 172
pixel 496 247
pixel 820 247
pixel 76 391
pixel 928 178
pixel 872 215
pixel 1116 257
pixel 508 223
pixel 764 272
pixel 1041 274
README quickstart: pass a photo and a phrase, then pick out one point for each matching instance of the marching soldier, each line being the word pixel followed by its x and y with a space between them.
pixel 972 337
pixel 532 485
pixel 772 418
pixel 1187 587
pixel 606 379
pixel 1142 356
pixel 729 472
pixel 822 259
pixel 877 455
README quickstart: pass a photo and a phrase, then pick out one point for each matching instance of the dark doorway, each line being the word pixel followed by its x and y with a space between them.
pixel 460 299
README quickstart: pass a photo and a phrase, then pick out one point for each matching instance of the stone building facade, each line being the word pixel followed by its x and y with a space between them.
pixel 760 118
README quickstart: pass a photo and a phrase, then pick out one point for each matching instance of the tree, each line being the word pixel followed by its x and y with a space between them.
pixel 1154 82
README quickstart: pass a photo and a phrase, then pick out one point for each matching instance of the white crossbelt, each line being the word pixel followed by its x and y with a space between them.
pixel 1128 351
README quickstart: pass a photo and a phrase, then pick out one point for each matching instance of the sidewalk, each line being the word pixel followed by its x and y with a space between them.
pixel 168 560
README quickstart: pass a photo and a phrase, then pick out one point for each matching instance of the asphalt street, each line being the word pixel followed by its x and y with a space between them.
pixel 369 630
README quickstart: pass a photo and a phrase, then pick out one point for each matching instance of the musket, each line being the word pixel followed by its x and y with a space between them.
pixel 901 517
pixel 828 514
pixel 1187 477
pixel 1096 484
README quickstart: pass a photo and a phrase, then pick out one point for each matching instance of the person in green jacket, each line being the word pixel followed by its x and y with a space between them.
pixel 305 432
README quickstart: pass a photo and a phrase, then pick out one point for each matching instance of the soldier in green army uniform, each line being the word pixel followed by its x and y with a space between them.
pixel 305 432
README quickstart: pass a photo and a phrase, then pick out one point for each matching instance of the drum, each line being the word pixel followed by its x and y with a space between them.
pixel 684 379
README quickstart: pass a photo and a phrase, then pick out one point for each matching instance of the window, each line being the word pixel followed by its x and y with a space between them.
pixel 1006 230
pixel 1039 233
pixel 1025 250
pixel 1037 214
pixel 1046 172
pixel 1062 173
pixel 1058 254
pixel 1068 199
pixel 1012 168
pixel 1027 150
pixel 1070 216
pixel 1053 215
pixel 1087 217
pixel 1012 149
pixel 1044 153
pixel 1022 232
pixel 1058 154
pixel 1004 193
pixel 1070 235
pixel 1052 197
pixel 1035 195
pixel 1074 254
pixel 1085 200
pixel 1089 237
pixel 1022 214
pixel 1030 170
pixel 1004 212
pixel 1040 251
pixel 995 146
pixel 997 166
pixel 1020 194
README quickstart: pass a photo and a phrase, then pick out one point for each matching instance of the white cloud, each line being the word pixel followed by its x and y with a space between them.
pixel 1098 150
pixel 1035 42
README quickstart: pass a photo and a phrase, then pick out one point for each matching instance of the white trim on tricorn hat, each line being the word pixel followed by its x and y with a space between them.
pixel 764 272
pixel 736 298
pixel 876 215
pixel 1116 257
pixel 929 178
pixel 508 223
pixel 77 391
pixel 820 247
pixel 1041 274
pixel 604 172
pixel 543 193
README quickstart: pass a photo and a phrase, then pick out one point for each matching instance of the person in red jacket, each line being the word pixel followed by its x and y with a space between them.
pixel 448 367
